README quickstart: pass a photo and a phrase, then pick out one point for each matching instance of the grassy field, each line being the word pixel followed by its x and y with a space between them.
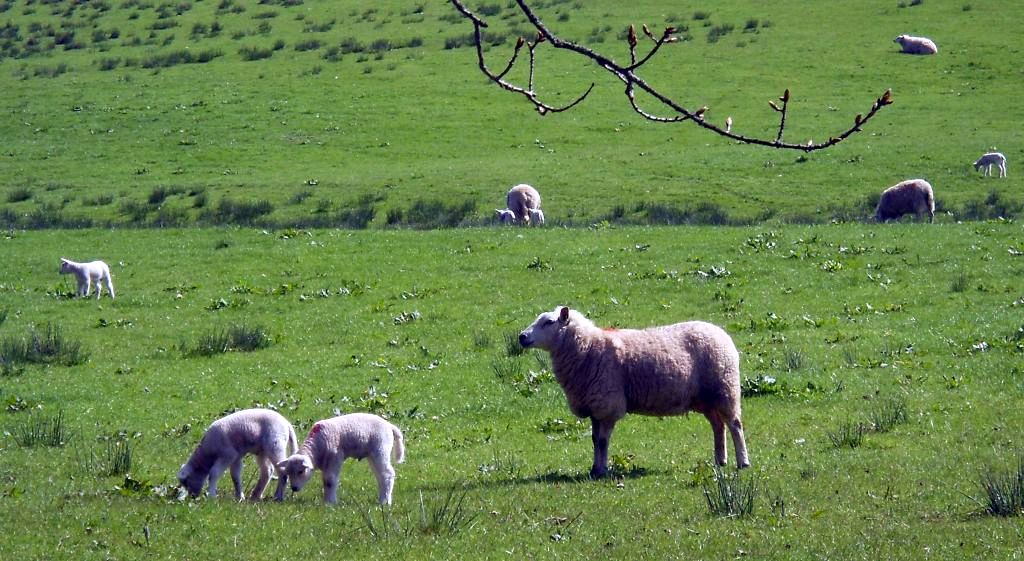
pixel 838 326
pixel 306 198
pixel 360 113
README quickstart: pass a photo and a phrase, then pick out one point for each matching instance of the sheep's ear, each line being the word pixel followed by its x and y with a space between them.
pixel 282 465
pixel 563 314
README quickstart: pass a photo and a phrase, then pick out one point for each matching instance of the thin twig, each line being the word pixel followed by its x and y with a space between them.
pixel 633 82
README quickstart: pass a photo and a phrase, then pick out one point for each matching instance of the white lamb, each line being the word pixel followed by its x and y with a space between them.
pixel 331 441
pixel 505 216
pixel 536 216
pixel 520 199
pixel 989 160
pixel 668 370
pixel 916 45
pixel 86 273
pixel 262 432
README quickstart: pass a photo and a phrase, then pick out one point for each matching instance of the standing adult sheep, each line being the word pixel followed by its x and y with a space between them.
pixel 521 199
pixel 910 196
pixel 660 371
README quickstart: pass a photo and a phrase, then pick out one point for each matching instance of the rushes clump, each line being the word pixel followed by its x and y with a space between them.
pixel 1004 491
pixel 42 431
pixel 48 346
pixel 235 338
pixel 728 495
pixel 848 434
pixel 887 414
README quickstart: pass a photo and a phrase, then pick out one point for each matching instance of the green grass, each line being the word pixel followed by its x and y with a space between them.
pixel 409 131
pixel 329 198
pixel 880 338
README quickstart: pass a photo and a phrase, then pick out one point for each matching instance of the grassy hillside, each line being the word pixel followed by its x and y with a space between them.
pixel 333 113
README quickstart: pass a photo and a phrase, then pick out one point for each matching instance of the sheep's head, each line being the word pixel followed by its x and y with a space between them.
pixel 298 468
pixel 544 332
pixel 191 480
pixel 65 266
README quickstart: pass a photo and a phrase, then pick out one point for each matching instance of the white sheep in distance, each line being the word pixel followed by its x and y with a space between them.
pixel 989 160
pixel 521 199
pixel 331 441
pixel 916 45
pixel 536 216
pixel 262 432
pixel 660 371
pixel 86 273
pixel 505 216
pixel 910 196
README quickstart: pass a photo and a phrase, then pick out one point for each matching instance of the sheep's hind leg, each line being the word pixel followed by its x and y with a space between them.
pixel 266 469
pixel 736 428
pixel 601 434
pixel 385 475
pixel 718 430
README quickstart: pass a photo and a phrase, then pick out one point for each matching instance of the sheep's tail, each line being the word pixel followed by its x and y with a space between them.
pixel 398 451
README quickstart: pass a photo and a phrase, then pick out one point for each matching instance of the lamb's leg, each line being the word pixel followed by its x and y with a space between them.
pixel 88 285
pixel 332 473
pixel 601 434
pixel 266 468
pixel 215 473
pixel 718 430
pixel 236 477
pixel 81 287
pixel 110 286
pixel 385 475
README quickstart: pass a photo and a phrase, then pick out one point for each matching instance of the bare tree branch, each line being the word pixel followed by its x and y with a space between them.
pixel 634 82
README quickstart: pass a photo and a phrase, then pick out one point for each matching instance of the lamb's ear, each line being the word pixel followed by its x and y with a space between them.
pixel 563 314
pixel 282 465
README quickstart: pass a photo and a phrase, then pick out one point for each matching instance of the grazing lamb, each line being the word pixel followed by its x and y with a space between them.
pixel 661 371
pixel 989 160
pixel 910 196
pixel 331 441
pixel 520 200
pixel 505 216
pixel 916 45
pixel 262 432
pixel 86 273
pixel 536 216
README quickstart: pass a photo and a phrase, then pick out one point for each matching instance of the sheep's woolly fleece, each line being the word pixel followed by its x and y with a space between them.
pixel 667 370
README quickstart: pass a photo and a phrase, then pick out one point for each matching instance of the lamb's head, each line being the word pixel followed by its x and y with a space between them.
pixel 191 480
pixel 546 330
pixel 900 39
pixel 65 266
pixel 298 468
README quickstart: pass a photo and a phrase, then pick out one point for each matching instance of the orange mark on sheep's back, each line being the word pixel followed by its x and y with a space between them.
pixel 315 429
pixel 609 329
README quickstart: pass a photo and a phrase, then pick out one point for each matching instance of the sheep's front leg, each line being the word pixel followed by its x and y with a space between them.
pixel 215 473
pixel 332 473
pixel 282 483
pixel 88 285
pixel 601 433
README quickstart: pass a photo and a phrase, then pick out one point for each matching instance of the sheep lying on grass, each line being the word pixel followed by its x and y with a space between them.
pixel 916 45
pixel 86 273
pixel 989 160
pixel 661 371
pixel 910 196
pixel 331 441
pixel 262 432
pixel 520 200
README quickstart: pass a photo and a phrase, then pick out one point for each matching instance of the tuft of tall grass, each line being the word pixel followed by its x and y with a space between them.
pixel 728 495
pixel 235 338
pixel 42 431
pixel 848 434
pixel 1004 490
pixel 41 347
pixel 512 346
pixel 887 414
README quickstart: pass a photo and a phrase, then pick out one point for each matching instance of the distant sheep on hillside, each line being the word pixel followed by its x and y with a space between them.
pixel 916 45
pixel 520 200
pixel 989 160
pixel 910 196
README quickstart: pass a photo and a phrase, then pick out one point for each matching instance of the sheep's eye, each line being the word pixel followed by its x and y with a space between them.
pixel 546 322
